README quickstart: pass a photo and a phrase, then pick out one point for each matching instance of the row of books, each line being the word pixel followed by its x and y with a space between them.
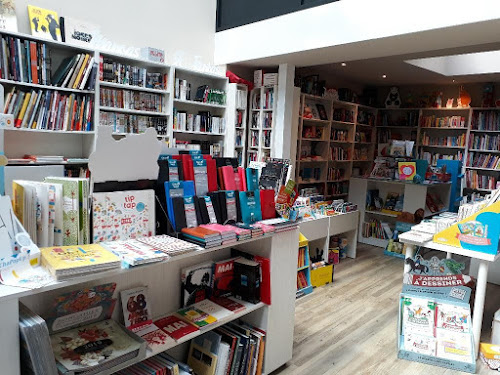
pixel 340 153
pixel 50 110
pixel 432 158
pixel 366 117
pixel 361 153
pixel 362 136
pixel 267 120
pixel 311 174
pixel 54 212
pixel 343 115
pixel 431 140
pixel 475 180
pixel 335 174
pixel 338 188
pixel 202 122
pixel 239 119
pixel 393 202
pixel 134 100
pixel 385 135
pixel 409 119
pixel 254 138
pixel 124 123
pixel 302 261
pixel 481 160
pixel 239 136
pixel 75 71
pixel 160 364
pixel 485 120
pixel 302 280
pixel 484 142
pixel 442 122
pixel 241 99
pixel 125 74
pixel 206 94
pixel 339 135
pixel 434 202
pixel 374 228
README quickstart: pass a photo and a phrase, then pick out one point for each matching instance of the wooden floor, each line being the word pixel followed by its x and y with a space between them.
pixel 349 326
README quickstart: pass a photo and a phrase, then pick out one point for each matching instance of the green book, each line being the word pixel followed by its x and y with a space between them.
pixel 62 70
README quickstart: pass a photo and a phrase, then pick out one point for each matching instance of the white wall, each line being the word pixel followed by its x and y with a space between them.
pixel 184 29
pixel 345 22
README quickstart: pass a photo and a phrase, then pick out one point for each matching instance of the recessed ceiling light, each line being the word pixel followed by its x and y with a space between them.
pixel 343 64
pixel 384 76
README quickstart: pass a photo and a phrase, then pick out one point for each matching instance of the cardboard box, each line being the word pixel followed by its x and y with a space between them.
pixel 490 351
pixel 258 77
pixel 270 79
pixel 322 275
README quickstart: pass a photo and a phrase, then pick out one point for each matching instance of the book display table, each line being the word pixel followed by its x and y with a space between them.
pixel 163 281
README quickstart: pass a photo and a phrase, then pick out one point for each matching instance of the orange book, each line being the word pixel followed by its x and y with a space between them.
pixel 82 111
pixel 34 67
pixel 200 232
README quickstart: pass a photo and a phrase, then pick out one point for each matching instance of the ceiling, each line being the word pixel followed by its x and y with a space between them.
pixel 367 61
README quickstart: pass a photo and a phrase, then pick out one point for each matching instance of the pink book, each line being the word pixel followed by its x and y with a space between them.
pixel 240 231
pixel 219 227
pixel 229 180
pixel 265 228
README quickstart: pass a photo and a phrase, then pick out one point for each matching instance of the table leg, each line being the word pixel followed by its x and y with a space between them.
pixel 477 321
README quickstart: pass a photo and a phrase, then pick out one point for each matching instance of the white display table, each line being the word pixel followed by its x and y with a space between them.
pixel 410 238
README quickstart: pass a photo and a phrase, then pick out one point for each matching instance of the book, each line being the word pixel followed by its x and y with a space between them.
pixel 80 33
pixel 8 18
pixel 68 261
pixel 97 347
pixel 197 317
pixel 123 215
pixel 134 252
pixel 228 303
pixel 136 308
pixel 196 283
pixel 169 245
pixel 44 23
pixel 250 206
pixel 213 309
pixel 202 360
pixel 176 328
pixel 222 280
pixel 247 276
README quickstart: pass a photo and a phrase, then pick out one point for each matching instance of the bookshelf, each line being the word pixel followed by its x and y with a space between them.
pixel 332 149
pixel 261 122
pixel 277 319
pixel 236 122
pixel 304 285
pixel 199 109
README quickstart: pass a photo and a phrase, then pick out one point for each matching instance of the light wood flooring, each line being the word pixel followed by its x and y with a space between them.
pixel 349 326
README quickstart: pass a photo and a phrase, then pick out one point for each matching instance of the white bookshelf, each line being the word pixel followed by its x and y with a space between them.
pixel 235 140
pixel 276 319
pixel 261 122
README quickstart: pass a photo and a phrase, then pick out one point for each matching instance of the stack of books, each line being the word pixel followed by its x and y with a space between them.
pixel 45 158
pixel 201 236
pixel 241 233
pixel 159 364
pixel 134 253
pixel 169 245
pixel 69 261
pixel 227 233
pixel 36 351
pixel 280 224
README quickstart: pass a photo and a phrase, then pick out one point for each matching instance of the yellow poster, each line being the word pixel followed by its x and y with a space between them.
pixel 44 23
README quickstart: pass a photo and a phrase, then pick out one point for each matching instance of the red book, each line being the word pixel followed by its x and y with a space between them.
pixel 34 67
pixel 265 285
pixel 223 277
pixel 175 327
pixel 228 303
pixel 187 167
pixel 73 115
pixel 267 204
pixel 101 68
pixel 243 179
pixel 229 180
pixel 212 174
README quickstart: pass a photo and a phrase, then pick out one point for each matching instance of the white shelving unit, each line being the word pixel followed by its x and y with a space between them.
pixel 236 122
pixel 261 122
pixel 276 319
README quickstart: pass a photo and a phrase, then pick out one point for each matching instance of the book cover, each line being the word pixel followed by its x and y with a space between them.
pixel 418 316
pixel 62 260
pixel 175 327
pixel 228 303
pixel 202 360
pixel 223 277
pixel 71 208
pixel 134 252
pixel 8 19
pixel 420 344
pixel 93 345
pixel 247 280
pixel 136 308
pixel 195 316
pixel 122 215
pixel 79 32
pixel 453 318
pixel 196 283
pixel 213 309
pixel 44 23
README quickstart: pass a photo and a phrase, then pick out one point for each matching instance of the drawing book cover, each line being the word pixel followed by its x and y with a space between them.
pixel 418 316
pixel 92 345
pixel 81 306
pixel 44 23
pixel 8 19
pixel 453 318
pixel 67 257
pixel 122 215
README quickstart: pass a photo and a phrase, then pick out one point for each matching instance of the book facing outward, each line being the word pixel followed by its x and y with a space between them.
pixel 169 245
pixel 197 317
pixel 177 328
pixel 70 261
pixel 134 252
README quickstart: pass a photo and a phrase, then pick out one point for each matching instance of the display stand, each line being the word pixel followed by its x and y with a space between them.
pixel 414 198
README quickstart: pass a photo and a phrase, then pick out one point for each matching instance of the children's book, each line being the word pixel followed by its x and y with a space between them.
pixel 134 252
pixel 69 261
pixel 95 347
pixel 122 215
pixel 453 318
pixel 176 328
pixel 44 23
pixel 8 18
pixel 420 344
pixel 418 316
pixel 197 317
pixel 454 346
